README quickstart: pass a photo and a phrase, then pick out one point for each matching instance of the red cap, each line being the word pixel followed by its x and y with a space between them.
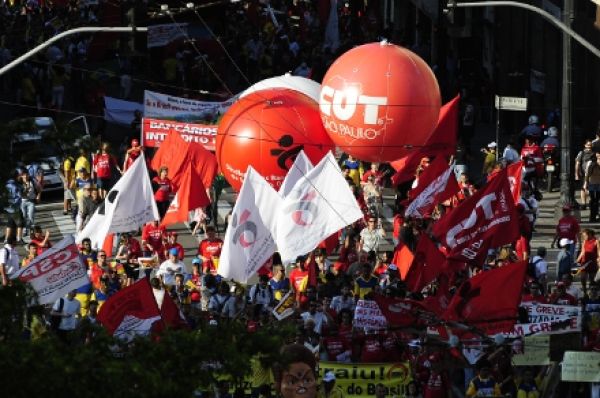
pixel 135 142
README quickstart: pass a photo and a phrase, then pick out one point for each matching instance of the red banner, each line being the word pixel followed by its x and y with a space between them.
pixel 488 215
pixel 155 131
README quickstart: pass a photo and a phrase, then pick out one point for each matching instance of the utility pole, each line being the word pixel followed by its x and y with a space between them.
pixel 566 187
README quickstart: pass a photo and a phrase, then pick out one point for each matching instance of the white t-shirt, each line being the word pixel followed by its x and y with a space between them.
pixel 541 266
pixel 168 269
pixel 319 318
pixel 338 303
pixel 371 239
pixel 12 262
pixel 71 309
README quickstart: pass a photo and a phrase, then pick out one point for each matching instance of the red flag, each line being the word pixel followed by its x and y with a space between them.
pixel 403 257
pixel 190 196
pixel 175 153
pixel 488 214
pixel 401 312
pixel 442 141
pixel 108 244
pixel 428 263
pixel 171 315
pixel 131 311
pixel 515 172
pixel 490 299
pixel 436 184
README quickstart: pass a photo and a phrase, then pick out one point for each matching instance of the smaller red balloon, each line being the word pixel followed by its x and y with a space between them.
pixel 267 129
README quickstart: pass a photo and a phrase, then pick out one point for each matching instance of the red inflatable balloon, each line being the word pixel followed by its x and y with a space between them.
pixel 267 129
pixel 377 99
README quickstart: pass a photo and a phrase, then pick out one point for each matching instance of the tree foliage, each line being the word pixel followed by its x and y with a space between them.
pixel 174 363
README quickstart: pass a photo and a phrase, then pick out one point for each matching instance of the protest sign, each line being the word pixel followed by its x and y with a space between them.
pixel 536 351
pixel 368 315
pixel 163 106
pixel 581 366
pixel 548 319
pixel 359 380
pixel 155 131
pixel 285 307
pixel 55 272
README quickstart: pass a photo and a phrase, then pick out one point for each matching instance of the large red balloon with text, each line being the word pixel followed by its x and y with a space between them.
pixel 378 100
pixel 267 129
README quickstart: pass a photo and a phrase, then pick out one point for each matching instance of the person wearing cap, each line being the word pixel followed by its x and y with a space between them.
pixel 564 259
pixel 328 388
pixel 172 243
pixel 489 161
pixel 170 267
pixel 132 154
pixel 567 228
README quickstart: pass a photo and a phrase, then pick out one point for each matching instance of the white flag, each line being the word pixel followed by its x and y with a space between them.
pixel 55 272
pixel 248 241
pixel 127 206
pixel 301 166
pixel 320 204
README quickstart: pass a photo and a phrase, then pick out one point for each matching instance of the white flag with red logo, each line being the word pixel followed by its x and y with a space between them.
pixel 301 166
pixel 248 241
pixel 320 204
pixel 436 184
pixel 55 272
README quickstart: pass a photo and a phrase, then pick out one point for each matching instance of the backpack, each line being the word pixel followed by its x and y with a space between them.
pixel 220 305
pixel 271 296
pixel 55 319
pixel 531 267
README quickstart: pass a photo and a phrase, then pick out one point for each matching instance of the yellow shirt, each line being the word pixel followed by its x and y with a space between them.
pixel 82 161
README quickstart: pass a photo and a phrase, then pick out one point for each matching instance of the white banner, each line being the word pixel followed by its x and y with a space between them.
pixel 320 204
pixel 368 315
pixel 119 111
pixel 128 205
pixel 55 272
pixel 162 106
pixel 161 35
pixel 548 319
pixel 248 241
pixel 301 166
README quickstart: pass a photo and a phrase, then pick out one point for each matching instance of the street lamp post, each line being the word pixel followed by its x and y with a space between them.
pixel 566 188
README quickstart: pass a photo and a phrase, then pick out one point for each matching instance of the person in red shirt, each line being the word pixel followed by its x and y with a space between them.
pixel 153 237
pixel 209 251
pixel 132 154
pixel 103 164
pixel 588 258
pixel 535 295
pixel 372 350
pixel 172 243
pixel 40 240
pixel 377 174
pixel 163 189
pixel 561 297
pixel 299 280
pixel 567 228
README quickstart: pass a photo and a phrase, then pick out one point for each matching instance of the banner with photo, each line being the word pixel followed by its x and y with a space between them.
pixel 163 106
pixel 155 131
